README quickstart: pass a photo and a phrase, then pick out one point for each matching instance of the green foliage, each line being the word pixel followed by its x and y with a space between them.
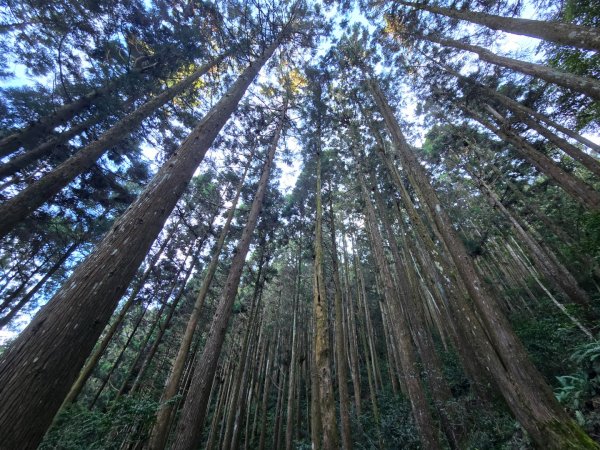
pixel 580 391
pixel 77 427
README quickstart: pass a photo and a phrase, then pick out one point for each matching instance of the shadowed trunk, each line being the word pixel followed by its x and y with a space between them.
pixel 42 363
pixel 562 33
pixel 189 429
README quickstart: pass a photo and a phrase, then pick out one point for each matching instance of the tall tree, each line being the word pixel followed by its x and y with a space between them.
pixel 189 427
pixel 73 320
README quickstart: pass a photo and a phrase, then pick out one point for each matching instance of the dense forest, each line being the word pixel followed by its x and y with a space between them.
pixel 299 224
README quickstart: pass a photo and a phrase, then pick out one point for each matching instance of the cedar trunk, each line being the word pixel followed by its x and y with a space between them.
pixel 42 363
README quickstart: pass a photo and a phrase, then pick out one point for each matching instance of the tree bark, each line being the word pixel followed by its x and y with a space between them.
pixel 556 274
pixel 159 433
pixel 93 359
pixel 525 391
pixel 241 367
pixel 523 111
pixel 38 130
pixel 35 195
pixel 4 320
pixel 575 187
pixel 21 161
pixel 189 429
pixel 587 86
pixel 340 338
pixel 561 33
pixel 321 338
pixel 397 308
pixel 289 431
pixel 42 363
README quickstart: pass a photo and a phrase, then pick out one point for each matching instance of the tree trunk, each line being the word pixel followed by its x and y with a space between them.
pixel 189 429
pixel 587 161
pixel 556 274
pixel 56 143
pixel 575 187
pixel 321 338
pixel 69 326
pixel 293 359
pixel 352 336
pixel 521 110
pixel 525 391
pixel 38 130
pixel 397 308
pixel 35 195
pixel 160 431
pixel 4 320
pixel 439 388
pixel 340 339
pixel 587 86
pixel 241 367
pixel 92 361
pixel 265 393
pixel 561 33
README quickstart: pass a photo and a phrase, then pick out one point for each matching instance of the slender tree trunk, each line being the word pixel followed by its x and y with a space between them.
pixel 51 145
pixel 587 86
pixel 265 393
pixel 159 434
pixel 439 388
pixel 279 410
pixel 587 161
pixel 25 202
pixel 117 361
pixel 340 351
pixel 397 308
pixel 38 130
pixel 43 362
pixel 162 328
pixel 212 437
pixel 524 389
pixel 93 359
pixel 4 320
pixel 316 423
pixel 523 111
pixel 561 33
pixel 556 274
pixel 241 367
pixel 189 429
pixel 575 187
pixel 293 360
pixel 321 339
pixel 352 336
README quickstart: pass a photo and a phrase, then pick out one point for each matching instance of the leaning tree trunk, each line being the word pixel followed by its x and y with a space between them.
pixel 397 306
pixel 523 387
pixel 587 161
pixel 42 363
pixel 556 274
pixel 35 195
pixel 241 368
pixel 189 428
pixel 45 148
pixel 4 320
pixel 587 86
pixel 289 430
pixel 575 187
pixel 561 33
pixel 93 359
pixel 523 111
pixel 38 130
pixel 158 438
